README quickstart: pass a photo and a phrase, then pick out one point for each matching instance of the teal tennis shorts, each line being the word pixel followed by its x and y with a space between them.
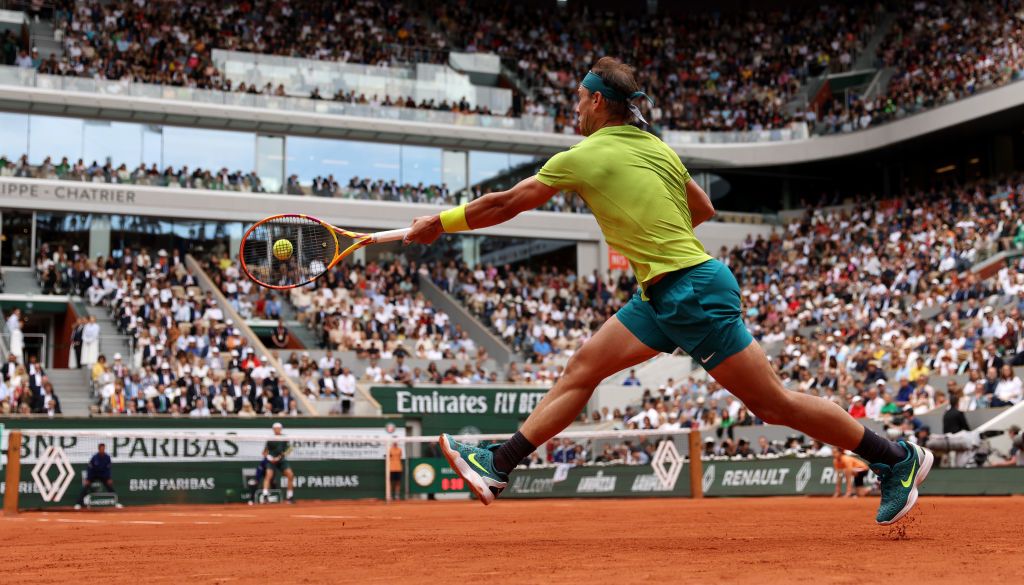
pixel 696 309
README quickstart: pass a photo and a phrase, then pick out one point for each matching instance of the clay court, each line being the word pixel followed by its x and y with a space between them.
pixel 780 540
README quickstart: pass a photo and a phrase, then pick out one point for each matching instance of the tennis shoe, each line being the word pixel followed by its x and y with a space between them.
pixel 899 482
pixel 475 466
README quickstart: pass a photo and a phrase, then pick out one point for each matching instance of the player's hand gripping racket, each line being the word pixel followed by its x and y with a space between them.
pixel 290 250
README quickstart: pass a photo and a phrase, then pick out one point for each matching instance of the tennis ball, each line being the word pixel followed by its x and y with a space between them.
pixel 282 250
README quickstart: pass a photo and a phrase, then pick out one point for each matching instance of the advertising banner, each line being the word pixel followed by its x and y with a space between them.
pixel 460 410
pixel 150 470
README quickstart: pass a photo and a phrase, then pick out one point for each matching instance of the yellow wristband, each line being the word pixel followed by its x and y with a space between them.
pixel 454 219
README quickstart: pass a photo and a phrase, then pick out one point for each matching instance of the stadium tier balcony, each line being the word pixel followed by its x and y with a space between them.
pixel 356 188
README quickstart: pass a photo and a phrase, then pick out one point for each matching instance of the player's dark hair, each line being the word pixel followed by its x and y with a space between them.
pixel 621 78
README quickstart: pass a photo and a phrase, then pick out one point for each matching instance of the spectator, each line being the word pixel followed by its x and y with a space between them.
pixel 90 343
pixel 1009 390
pixel 954 420
pixel 631 380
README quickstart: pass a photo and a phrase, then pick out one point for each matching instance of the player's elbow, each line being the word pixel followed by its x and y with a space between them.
pixel 702 214
pixel 709 212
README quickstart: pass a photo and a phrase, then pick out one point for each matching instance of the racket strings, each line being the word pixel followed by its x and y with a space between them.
pixel 288 251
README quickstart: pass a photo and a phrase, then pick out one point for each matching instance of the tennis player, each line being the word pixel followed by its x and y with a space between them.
pixel 275 453
pixel 647 207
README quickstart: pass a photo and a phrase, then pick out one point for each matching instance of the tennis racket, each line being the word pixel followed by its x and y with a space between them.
pixel 290 250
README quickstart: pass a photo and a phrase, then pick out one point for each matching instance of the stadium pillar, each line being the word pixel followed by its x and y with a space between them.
pixel 1001 156
pixel 588 258
pixel 470 249
pixel 99 235
pixel 13 473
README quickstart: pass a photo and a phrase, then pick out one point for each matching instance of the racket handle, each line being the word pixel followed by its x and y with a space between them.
pixel 389 235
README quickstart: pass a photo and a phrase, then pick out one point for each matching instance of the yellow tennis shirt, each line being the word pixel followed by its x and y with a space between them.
pixel 635 186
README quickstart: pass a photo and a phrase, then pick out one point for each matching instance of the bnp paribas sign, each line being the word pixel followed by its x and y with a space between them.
pixel 456 400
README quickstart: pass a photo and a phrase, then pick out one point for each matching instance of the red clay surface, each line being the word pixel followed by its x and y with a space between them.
pixel 764 541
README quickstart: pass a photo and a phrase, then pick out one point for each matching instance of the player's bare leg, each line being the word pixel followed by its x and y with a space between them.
pixel 750 377
pixel 612 349
pixel 901 467
pixel 290 478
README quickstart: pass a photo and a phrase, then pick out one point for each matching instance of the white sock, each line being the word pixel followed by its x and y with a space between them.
pixel 291 493
pixel 266 492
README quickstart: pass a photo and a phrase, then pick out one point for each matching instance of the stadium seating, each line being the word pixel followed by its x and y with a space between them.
pixel 770 52
pixel 543 314
pixel 186 357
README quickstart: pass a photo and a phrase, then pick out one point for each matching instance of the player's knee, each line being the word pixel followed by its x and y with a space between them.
pixel 579 373
pixel 773 412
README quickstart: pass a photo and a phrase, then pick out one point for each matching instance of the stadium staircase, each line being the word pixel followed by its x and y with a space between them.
pixel 72 388
pixel 21 282
pixel 42 33
pixel 111 340
pixel 72 385
pixel 304 334
pixel 869 56
pixel 866 60
pixel 459 315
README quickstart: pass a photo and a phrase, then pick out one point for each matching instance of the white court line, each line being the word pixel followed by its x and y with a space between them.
pixel 153 522
pixel 201 522
pixel 76 521
pixel 328 517
pixel 210 515
pixel 324 517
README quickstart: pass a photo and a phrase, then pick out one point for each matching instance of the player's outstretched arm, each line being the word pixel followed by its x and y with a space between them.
pixel 491 209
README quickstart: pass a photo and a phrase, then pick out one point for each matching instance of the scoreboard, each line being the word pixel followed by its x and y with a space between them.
pixel 433 475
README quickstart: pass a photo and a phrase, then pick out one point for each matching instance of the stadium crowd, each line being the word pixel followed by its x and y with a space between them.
pixel 184 178
pixel 545 313
pixel 940 52
pixel 706 71
pixel 375 311
pixel 186 358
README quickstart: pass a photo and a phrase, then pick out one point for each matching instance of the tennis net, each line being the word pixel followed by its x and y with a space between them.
pixel 51 467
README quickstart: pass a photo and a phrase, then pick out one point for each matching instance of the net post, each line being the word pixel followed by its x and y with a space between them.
pixel 387 472
pixel 696 466
pixel 13 473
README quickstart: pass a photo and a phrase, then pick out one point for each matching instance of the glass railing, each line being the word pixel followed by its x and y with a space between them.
pixel 30 78
pixel 423 81
pixel 795 131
